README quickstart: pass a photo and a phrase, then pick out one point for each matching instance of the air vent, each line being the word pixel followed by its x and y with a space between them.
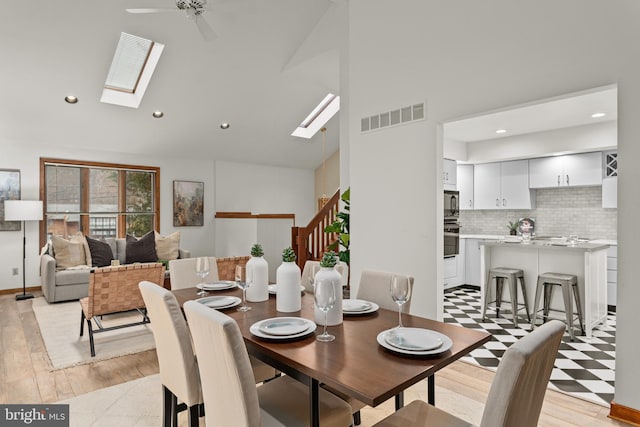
pixel 395 117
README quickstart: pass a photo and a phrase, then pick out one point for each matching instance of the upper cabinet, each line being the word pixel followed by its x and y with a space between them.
pixel 465 186
pixel 449 174
pixel 563 171
pixel 502 185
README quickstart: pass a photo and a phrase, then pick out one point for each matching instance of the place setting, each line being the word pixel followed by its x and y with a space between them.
pixel 283 328
pixel 358 307
pixel 273 289
pixel 407 340
pixel 220 302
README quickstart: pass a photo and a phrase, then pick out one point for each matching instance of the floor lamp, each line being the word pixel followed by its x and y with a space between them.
pixel 23 210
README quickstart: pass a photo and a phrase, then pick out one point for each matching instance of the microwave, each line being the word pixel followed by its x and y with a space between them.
pixel 451 206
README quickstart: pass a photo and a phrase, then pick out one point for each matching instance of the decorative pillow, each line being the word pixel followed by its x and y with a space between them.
pixel 141 250
pixel 167 247
pixel 68 253
pixel 101 253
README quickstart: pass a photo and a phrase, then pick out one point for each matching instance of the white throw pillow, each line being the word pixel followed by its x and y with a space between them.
pixel 167 247
pixel 70 253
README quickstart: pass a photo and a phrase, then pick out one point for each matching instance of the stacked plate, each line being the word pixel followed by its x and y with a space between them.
pixel 220 302
pixel 283 328
pixel 358 306
pixel 273 289
pixel 414 341
pixel 217 286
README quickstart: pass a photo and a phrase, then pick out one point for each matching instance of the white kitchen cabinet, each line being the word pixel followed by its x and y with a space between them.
pixel 503 185
pixel 465 186
pixel 451 272
pixel 566 171
pixel 472 262
pixel 610 192
pixel 449 174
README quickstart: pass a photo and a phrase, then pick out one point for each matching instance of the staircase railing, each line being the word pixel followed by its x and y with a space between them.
pixel 310 242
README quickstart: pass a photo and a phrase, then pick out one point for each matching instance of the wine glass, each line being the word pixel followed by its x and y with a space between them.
pixel 325 297
pixel 243 283
pixel 202 270
pixel 400 293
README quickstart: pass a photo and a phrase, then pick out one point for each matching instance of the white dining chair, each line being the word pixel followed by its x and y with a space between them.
pixel 183 273
pixel 228 384
pixel 310 266
pixel 517 391
pixel 375 286
pixel 177 361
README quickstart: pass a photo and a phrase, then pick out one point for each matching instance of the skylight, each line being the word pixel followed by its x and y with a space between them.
pixel 320 115
pixel 131 69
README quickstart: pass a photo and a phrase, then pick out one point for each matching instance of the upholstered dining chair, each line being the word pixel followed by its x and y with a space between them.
pixel 176 358
pixel 517 391
pixel 228 384
pixel 183 273
pixel 341 267
pixel 375 287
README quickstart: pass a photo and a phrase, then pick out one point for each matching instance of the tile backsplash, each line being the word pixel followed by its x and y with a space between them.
pixel 558 212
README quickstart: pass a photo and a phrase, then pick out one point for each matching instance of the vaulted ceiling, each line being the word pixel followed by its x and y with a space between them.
pixel 271 63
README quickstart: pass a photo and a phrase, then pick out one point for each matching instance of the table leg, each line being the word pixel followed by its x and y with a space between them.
pixel 399 400
pixel 431 390
pixel 314 394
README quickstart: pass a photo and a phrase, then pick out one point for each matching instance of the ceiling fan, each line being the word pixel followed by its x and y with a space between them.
pixel 194 9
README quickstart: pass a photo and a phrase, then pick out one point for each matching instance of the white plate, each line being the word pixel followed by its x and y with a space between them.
pixel 413 339
pixel 355 305
pixel 273 288
pixel 255 329
pixel 218 302
pixel 374 307
pixel 216 286
pixel 283 326
pixel 446 345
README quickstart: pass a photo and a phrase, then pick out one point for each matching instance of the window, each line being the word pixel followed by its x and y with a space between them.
pixel 99 199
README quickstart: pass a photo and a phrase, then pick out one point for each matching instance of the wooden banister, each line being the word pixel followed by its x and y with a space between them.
pixel 310 242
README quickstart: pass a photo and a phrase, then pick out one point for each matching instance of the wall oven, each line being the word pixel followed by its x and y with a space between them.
pixel 451 239
pixel 451 206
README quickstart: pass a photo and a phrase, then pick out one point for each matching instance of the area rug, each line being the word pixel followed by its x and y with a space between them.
pixel 60 328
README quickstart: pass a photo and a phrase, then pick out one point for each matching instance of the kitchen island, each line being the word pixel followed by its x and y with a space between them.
pixel 588 261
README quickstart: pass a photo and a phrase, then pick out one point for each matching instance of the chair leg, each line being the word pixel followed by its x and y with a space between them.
pixel 193 416
pixel 399 400
pixel 487 293
pixel 499 284
pixel 174 410
pixel 576 295
pixel 357 419
pixel 548 294
pixel 91 344
pixel 81 322
pixel 166 406
pixel 524 297
pixel 568 307
pixel 513 290
pixel 536 303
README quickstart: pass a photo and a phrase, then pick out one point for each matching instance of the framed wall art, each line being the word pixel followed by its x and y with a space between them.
pixel 188 203
pixel 9 190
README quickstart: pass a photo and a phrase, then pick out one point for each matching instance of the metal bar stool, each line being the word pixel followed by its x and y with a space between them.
pixel 568 282
pixel 512 275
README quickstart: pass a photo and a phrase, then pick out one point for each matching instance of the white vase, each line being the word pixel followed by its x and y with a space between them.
pixel 334 316
pixel 258 277
pixel 288 298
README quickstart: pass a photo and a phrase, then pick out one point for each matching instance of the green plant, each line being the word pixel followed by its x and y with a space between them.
pixel 256 250
pixel 341 226
pixel 513 225
pixel 328 259
pixel 288 255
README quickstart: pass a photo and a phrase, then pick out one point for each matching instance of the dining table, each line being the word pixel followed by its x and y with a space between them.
pixel 355 363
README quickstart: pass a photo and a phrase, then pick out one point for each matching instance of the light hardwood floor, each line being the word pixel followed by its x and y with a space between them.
pixel 26 377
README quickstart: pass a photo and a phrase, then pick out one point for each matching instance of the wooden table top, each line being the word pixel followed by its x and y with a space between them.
pixel 354 363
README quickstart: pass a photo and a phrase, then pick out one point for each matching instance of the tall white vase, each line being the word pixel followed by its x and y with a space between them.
pixel 334 316
pixel 288 298
pixel 258 276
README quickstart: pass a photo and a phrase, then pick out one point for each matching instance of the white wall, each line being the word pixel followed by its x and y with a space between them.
pixel 467 57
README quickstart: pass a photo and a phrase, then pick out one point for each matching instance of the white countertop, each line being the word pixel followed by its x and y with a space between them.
pixel 498 237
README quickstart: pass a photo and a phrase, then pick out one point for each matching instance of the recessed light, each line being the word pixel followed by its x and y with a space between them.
pixel 224 125
pixel 596 115
pixel 158 114
pixel 501 131
pixel 70 99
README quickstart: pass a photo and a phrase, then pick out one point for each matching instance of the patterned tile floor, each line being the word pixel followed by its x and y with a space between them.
pixel 584 368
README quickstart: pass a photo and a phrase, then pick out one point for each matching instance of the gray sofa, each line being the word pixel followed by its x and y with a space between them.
pixel 73 284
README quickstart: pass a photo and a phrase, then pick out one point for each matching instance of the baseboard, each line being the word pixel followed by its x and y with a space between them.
pixel 624 414
pixel 31 289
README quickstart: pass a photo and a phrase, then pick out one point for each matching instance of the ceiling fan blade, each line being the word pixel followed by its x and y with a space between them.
pixel 152 10
pixel 205 29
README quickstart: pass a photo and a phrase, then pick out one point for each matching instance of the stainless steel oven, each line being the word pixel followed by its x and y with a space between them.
pixel 451 238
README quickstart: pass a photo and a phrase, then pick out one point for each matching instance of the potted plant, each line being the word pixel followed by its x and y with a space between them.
pixel 513 228
pixel 257 275
pixel 341 226
pixel 328 272
pixel 288 283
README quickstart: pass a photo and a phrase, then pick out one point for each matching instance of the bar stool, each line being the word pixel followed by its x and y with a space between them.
pixel 512 275
pixel 568 282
